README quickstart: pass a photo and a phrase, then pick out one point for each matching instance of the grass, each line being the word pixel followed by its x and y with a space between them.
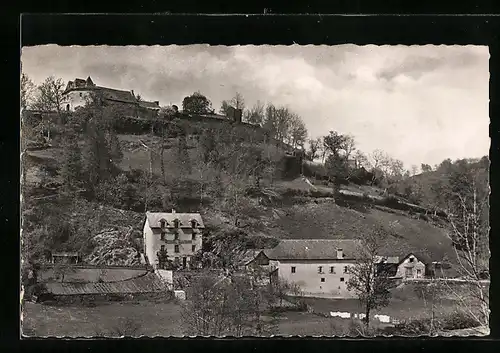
pixel 330 221
pixel 153 319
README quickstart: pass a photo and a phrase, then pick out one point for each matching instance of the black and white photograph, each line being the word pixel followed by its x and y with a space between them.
pixel 263 191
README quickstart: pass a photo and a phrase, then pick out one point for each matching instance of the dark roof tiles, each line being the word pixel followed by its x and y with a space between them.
pixel 313 249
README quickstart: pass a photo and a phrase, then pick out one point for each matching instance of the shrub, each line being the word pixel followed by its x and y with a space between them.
pixel 458 320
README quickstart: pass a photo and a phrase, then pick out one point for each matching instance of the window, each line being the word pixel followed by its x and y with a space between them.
pixel 81 95
pixel 322 279
pixel 411 259
pixel 176 260
pixel 176 223
pixel 346 269
pixel 341 279
pixel 162 236
pixel 162 248
pixel 332 269
pixel 194 224
pixel 193 248
pixel 293 269
pixel 320 269
pixel 163 223
pixel 408 272
pixel 176 248
pixel 176 236
pixel 419 273
pixel 193 236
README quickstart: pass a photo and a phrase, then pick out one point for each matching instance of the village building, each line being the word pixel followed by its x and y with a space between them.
pixel 78 91
pixel 177 235
pixel 64 258
pixel 320 267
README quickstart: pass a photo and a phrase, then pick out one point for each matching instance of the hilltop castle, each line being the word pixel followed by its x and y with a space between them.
pixel 78 90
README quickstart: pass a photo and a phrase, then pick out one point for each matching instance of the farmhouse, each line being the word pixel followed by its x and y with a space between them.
pixel 320 267
pixel 77 93
pixel 178 235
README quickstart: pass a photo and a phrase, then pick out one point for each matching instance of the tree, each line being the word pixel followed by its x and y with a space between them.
pixel 426 168
pixel 50 95
pixel 361 160
pixel 414 170
pixel 197 103
pixel 468 217
pixel 255 115
pixel 349 146
pixel 164 262
pixel 314 149
pixel 27 90
pixel 334 143
pixel 61 270
pixel 298 131
pixel 71 169
pixel 370 285
pixel 237 102
pixel 115 150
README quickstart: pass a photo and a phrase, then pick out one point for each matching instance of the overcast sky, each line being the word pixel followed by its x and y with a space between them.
pixel 420 104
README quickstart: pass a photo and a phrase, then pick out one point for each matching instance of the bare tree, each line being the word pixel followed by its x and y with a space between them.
pixel 27 90
pixel 469 232
pixel 349 146
pixel 237 102
pixel 371 284
pixel 256 114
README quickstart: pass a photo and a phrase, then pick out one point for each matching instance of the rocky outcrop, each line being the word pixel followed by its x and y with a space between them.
pixel 114 247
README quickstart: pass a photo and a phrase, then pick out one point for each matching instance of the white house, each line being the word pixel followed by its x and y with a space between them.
pixel 410 267
pixel 179 234
pixel 320 267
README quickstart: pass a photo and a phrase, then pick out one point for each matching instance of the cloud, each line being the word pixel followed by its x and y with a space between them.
pixel 421 104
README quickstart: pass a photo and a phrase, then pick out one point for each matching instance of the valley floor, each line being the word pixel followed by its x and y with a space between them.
pixel 164 319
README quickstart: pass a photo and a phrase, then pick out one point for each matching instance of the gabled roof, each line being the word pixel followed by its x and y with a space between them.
pixel 149 105
pixel 154 218
pixel 117 95
pixel 313 249
pixel 148 283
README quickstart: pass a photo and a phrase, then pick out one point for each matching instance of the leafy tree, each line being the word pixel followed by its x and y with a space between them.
pixel 163 260
pixel 50 95
pixel 371 286
pixel 426 168
pixel 27 91
pixel 197 103
pixel 114 147
pixel 314 149
pixel 298 131
pixel 71 169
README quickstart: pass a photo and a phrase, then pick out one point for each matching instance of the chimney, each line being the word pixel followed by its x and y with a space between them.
pixel 132 92
pixel 157 102
pixel 340 254
pixel 173 211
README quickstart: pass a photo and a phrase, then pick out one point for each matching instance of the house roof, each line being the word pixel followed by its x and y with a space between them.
pixel 313 249
pixel 69 254
pixel 247 256
pixel 148 283
pixel 154 218
pixel 149 105
pixel 117 95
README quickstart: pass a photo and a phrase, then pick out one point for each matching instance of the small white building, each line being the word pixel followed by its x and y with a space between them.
pixel 179 234
pixel 410 267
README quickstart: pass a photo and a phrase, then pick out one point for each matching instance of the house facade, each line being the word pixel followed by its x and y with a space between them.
pixel 177 234
pixel 410 267
pixel 319 267
pixel 78 91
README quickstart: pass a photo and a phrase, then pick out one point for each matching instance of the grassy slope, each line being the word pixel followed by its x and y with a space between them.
pixel 322 220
